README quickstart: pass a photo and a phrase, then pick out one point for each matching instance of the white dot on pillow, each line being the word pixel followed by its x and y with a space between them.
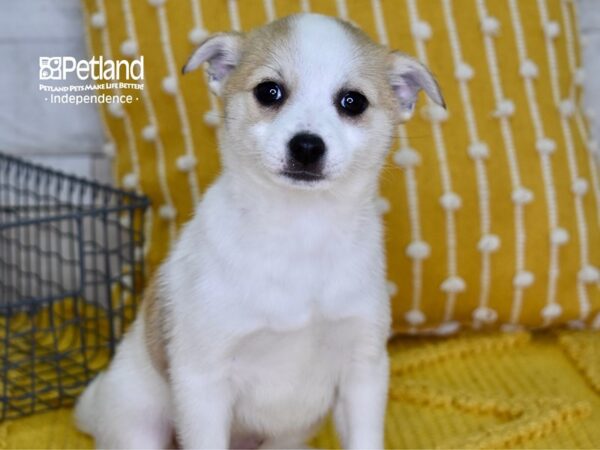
pixel 552 311
pixel 407 157
pixel 149 133
pixel 490 25
pixel 485 314
pixel 125 221
pixel 109 149
pixel 522 196
pixel 418 250
pixel 98 20
pixel 129 47
pixel 435 113
pixel 415 317
pixel 421 30
pixel 488 243
pixel 167 212
pixel 447 328
pixel 197 35
pixel 589 274
pixel 464 72
pixel 127 281
pixel 504 108
pixel 130 181
pixel 138 253
pixel 450 201
pixel 382 205
pixel 559 236
pixel 545 146
pixel 529 69
pixel 479 150
pixel 552 29
pixel 567 108
pixel 523 279
pixel 169 85
pixel 212 118
pixel 116 110
pixel 453 284
pixel 580 186
pixel 186 163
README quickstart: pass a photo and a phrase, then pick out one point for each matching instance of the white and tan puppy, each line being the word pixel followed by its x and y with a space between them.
pixel 271 309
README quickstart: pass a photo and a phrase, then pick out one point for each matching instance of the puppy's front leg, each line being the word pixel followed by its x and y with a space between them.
pixel 202 407
pixel 361 402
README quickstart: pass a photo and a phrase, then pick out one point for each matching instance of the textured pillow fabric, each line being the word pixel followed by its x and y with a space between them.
pixel 492 207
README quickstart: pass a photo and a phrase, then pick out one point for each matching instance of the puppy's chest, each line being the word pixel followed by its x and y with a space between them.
pixel 320 341
pixel 291 280
pixel 273 370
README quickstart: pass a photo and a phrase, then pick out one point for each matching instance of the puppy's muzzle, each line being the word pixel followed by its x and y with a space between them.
pixel 305 157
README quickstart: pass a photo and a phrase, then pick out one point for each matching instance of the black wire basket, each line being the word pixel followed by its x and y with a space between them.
pixel 71 270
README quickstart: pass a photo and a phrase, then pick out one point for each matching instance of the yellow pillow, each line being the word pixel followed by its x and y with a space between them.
pixel 492 208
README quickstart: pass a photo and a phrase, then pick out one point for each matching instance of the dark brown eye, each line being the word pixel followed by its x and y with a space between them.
pixel 269 93
pixel 352 103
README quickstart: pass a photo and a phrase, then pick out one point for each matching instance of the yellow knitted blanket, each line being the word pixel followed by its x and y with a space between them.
pixel 472 391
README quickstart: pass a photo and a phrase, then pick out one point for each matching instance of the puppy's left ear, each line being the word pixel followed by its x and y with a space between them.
pixel 407 77
pixel 222 52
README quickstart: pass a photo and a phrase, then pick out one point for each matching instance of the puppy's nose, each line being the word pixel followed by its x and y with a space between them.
pixel 306 148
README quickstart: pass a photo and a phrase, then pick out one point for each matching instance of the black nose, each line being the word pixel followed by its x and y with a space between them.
pixel 306 148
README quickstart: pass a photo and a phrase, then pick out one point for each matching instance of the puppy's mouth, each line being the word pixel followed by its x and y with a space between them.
pixel 303 175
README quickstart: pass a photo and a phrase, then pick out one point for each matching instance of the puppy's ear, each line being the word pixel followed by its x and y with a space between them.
pixel 407 77
pixel 222 52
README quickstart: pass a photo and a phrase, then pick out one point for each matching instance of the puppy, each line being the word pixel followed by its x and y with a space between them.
pixel 271 309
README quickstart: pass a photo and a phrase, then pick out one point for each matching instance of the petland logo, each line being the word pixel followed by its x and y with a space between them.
pixel 59 67
pixel 105 74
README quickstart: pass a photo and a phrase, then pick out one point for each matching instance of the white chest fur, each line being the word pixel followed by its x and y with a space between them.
pixel 286 380
pixel 277 301
pixel 279 269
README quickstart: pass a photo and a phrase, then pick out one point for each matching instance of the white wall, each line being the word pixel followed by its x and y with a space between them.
pixel 66 136
pixel 70 137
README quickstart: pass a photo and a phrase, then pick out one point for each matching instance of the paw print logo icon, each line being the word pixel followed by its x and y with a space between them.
pixel 50 68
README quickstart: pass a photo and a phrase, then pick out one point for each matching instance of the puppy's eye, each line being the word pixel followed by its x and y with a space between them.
pixel 352 103
pixel 269 93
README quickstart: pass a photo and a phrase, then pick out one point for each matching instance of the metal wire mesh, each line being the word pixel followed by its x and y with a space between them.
pixel 71 269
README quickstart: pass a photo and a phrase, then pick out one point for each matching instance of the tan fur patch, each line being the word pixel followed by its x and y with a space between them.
pixel 260 45
pixel 154 327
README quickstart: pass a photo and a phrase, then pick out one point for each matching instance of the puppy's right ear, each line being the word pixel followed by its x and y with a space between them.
pixel 407 77
pixel 222 52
